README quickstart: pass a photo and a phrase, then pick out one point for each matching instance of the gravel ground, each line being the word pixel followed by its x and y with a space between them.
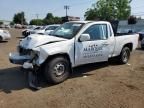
pixel 103 85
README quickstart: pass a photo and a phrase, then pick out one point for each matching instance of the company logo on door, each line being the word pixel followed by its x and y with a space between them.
pixel 92 51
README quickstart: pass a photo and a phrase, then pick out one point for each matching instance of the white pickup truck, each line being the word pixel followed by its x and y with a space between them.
pixel 73 44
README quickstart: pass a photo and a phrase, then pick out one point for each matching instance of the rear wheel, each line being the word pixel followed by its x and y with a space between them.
pixel 57 70
pixel 125 55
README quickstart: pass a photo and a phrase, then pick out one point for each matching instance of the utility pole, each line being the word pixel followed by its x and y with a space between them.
pixel 22 20
pixel 37 16
pixel 66 7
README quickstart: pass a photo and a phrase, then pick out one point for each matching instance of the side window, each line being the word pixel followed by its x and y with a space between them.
pixel 97 32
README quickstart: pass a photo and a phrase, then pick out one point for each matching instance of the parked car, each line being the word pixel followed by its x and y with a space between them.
pixel 4 35
pixel 18 26
pixel 46 29
pixel 7 26
pixel 2 26
pixel 29 30
pixel 73 44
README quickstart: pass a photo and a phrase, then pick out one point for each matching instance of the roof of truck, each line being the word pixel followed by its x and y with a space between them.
pixel 89 21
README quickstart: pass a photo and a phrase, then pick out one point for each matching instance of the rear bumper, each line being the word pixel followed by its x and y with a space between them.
pixel 16 58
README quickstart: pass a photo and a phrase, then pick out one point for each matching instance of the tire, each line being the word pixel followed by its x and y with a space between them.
pixel 1 38
pixel 124 56
pixel 142 48
pixel 57 70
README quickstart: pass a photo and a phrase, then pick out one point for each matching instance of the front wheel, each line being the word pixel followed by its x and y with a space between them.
pixel 1 38
pixel 125 55
pixel 57 70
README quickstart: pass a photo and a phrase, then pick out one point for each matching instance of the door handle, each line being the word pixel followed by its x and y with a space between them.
pixel 105 44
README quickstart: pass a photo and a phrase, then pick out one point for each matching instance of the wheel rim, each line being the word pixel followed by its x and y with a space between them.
pixel 125 56
pixel 59 69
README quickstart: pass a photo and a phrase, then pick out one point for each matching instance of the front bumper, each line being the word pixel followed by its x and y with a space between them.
pixel 16 58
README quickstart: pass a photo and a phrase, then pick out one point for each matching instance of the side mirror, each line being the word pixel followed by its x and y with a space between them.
pixel 84 37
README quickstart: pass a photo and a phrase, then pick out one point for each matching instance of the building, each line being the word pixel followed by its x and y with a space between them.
pixel 5 22
pixel 70 18
pixel 125 27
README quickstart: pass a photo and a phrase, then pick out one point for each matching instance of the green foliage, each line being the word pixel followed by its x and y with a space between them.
pixel 57 20
pixel 19 18
pixel 91 14
pixel 49 16
pixel 49 19
pixel 11 23
pixel 109 10
pixel 36 22
pixel 1 23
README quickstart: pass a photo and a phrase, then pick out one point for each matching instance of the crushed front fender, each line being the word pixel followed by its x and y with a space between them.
pixel 16 58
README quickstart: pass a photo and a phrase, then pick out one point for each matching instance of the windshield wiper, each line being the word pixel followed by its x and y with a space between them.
pixel 57 36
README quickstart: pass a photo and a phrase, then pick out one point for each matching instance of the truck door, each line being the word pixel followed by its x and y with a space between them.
pixel 96 49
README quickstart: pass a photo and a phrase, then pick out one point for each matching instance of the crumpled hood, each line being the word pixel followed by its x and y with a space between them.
pixel 36 40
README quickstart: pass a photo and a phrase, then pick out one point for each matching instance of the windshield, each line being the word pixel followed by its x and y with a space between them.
pixel 52 27
pixel 67 30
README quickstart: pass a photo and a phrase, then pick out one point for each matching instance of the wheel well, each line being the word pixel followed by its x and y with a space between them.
pixel 1 37
pixel 129 45
pixel 59 55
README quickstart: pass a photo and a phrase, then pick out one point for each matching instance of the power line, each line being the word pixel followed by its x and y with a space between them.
pixel 66 7
pixel 81 3
pixel 138 7
pixel 138 13
pixel 73 5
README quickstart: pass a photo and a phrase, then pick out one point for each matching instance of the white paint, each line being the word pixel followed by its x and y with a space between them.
pixel 46 46
pixel 5 34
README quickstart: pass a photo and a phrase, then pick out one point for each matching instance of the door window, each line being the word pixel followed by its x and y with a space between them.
pixel 97 32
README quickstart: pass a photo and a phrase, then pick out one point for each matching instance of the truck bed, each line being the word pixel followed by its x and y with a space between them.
pixel 122 40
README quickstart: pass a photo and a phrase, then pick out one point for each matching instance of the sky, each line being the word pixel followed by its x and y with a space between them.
pixel 41 7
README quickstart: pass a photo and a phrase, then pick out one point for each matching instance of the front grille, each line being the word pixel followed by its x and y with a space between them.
pixel 26 33
pixel 23 51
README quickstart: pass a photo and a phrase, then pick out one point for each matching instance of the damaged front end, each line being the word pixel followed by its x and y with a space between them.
pixel 21 56
pixel 27 58
pixel 32 52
